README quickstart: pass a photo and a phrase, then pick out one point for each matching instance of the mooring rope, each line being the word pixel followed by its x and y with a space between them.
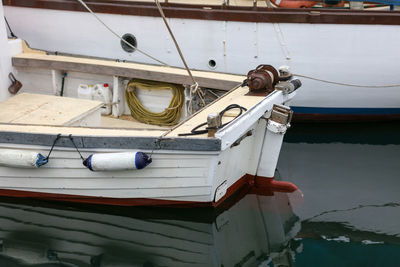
pixel 346 84
pixel 119 37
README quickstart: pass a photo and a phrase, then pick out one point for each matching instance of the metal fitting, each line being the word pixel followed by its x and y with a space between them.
pixel 288 87
pixel 213 123
pixel 281 114
pixel 284 73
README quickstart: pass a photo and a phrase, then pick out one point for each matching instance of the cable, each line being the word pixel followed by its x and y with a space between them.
pixel 347 84
pixel 116 34
pixel 195 130
pixel 170 116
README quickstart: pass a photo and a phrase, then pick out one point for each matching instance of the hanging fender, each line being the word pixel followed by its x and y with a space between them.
pixel 117 161
pixel 21 158
pixel 293 3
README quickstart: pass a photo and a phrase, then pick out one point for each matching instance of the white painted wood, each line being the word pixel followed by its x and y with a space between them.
pixel 5 59
pixel 56 81
pixel 118 103
pixel 271 147
pixel 230 133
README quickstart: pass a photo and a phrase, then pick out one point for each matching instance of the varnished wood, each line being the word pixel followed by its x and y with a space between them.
pixel 196 10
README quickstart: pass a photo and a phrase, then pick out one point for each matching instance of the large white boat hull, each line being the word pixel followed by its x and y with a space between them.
pixel 354 54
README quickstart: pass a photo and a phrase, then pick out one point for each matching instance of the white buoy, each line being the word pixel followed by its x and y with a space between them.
pixel 117 161
pixel 21 158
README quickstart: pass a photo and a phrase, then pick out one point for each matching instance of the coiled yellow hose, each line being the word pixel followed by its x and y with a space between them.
pixel 170 116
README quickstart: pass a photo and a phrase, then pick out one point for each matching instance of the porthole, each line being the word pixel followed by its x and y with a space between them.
pixel 212 64
pixel 130 38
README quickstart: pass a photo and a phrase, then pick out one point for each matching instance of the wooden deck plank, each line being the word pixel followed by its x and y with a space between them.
pixel 79 131
pixel 237 96
pixel 127 69
pixel 45 109
pixel 128 122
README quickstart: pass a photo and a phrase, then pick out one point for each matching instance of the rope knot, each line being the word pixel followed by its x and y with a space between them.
pixel 194 87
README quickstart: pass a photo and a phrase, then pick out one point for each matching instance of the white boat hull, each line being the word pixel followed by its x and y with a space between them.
pixel 193 172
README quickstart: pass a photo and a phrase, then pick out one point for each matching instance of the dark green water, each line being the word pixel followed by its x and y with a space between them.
pixel 349 174
pixel 349 215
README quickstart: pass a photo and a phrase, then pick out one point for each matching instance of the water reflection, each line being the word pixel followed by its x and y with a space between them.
pixel 349 175
pixel 255 230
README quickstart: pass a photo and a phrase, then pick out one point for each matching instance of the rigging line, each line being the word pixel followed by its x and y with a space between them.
pixel 282 42
pixel 347 84
pixel 176 44
pixel 9 28
pixel 72 140
pixel 117 35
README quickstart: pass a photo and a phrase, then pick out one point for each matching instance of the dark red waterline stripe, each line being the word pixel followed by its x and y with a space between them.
pixel 246 184
pixel 242 182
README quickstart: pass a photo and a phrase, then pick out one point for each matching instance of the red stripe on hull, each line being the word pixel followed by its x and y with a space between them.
pixel 245 185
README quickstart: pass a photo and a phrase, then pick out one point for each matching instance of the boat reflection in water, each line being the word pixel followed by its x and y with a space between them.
pixel 252 230
pixel 349 174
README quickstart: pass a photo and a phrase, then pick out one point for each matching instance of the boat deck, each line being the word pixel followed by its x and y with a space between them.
pixel 122 127
pixel 59 123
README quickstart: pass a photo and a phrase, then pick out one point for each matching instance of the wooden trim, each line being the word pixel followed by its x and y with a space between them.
pixel 220 13
pixel 126 69
pixel 113 142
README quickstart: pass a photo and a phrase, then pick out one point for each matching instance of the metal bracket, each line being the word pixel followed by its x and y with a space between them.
pixel 281 114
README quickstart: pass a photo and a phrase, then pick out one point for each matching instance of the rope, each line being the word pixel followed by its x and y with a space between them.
pixel 194 88
pixel 117 35
pixel 347 84
pixel 175 42
pixel 72 140
pixel 9 28
pixel 54 143
pixel 170 116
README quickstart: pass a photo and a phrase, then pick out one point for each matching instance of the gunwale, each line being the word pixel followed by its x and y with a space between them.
pixel 221 13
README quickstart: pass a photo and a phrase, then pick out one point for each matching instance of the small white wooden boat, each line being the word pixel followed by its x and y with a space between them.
pixel 35 233
pixel 44 138
pixel 353 47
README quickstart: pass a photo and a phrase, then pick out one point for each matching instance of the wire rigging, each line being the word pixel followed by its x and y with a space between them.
pixel 347 84
pixel 117 35
pixel 9 28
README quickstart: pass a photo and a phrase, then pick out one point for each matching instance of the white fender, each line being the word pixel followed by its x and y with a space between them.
pixel 21 158
pixel 117 161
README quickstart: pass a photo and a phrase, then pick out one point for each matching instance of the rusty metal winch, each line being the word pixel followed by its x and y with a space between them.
pixel 261 81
